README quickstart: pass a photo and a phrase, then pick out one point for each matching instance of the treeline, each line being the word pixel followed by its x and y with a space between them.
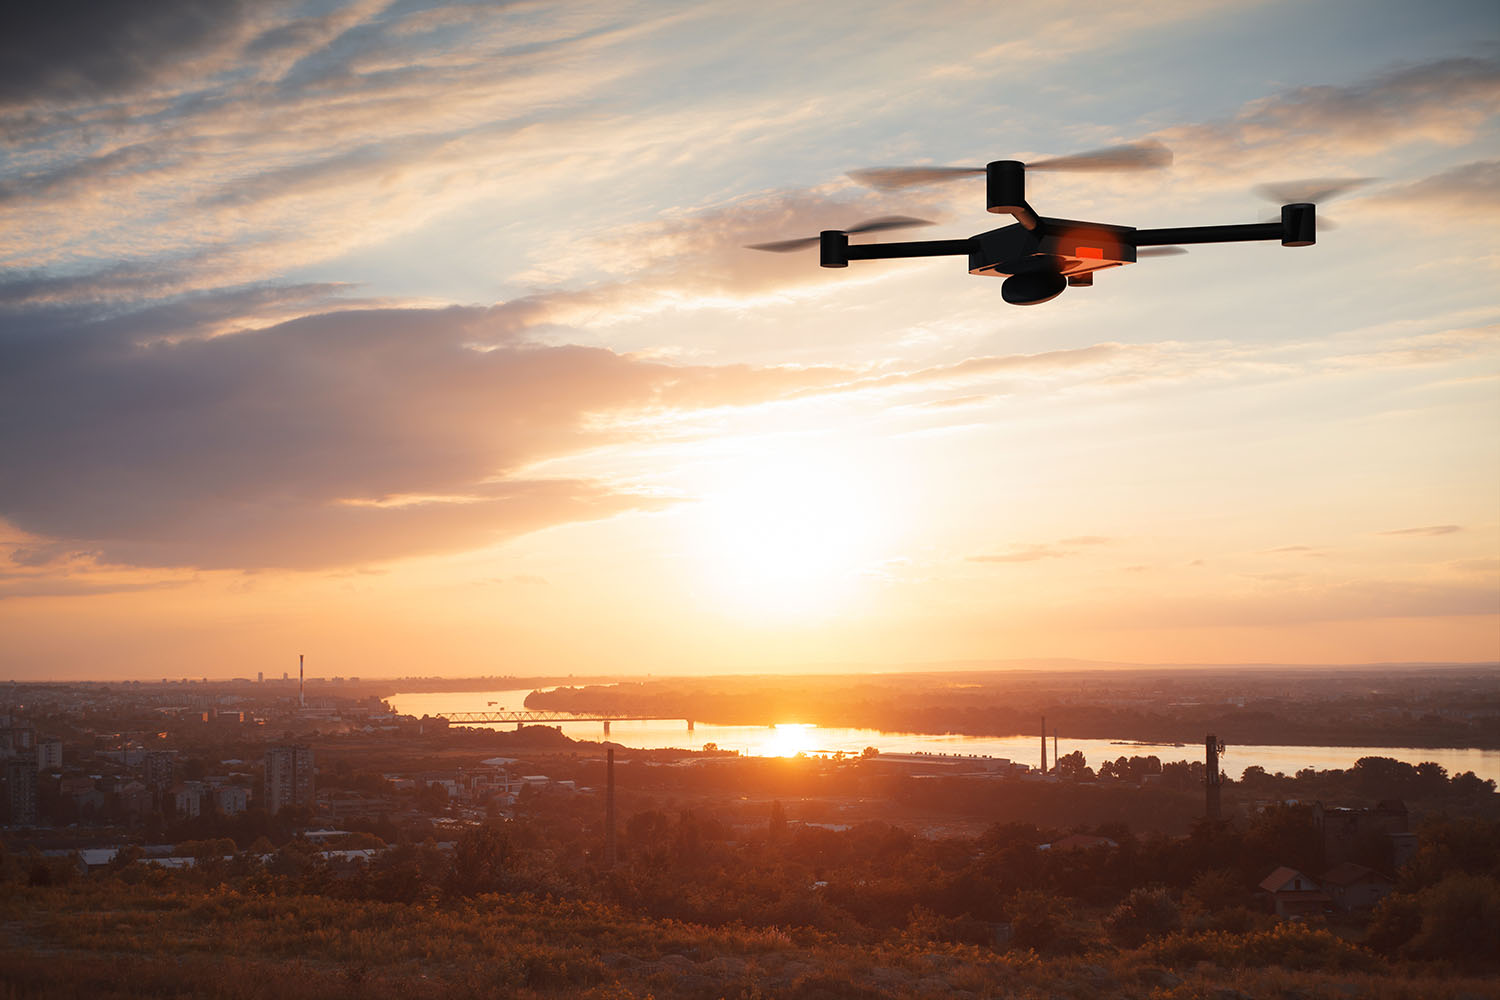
pixel 994 708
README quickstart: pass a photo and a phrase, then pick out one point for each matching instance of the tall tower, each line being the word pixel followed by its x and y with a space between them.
pixel 609 807
pixel 1044 744
pixel 301 695
pixel 1211 786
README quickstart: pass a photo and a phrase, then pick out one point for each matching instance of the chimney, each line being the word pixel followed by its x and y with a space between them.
pixel 1044 744
pixel 1211 784
pixel 609 807
pixel 301 694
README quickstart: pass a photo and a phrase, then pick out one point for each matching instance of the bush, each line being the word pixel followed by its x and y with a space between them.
pixel 1289 945
pixel 1144 914
pixel 1459 919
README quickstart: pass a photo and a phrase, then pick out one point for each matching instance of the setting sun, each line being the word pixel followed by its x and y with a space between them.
pixel 787 739
pixel 788 533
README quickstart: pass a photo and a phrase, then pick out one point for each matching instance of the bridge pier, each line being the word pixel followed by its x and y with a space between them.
pixel 606 727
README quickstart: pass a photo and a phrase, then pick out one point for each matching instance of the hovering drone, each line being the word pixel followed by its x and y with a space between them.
pixel 1039 257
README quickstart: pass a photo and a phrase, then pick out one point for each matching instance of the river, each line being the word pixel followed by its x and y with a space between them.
pixel 791 738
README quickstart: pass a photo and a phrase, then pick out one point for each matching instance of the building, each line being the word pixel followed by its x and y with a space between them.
pixel 1381 835
pixel 231 800
pixel 133 799
pixel 1355 887
pixel 1293 894
pixel 20 791
pixel 188 799
pixel 16 738
pixel 289 778
pixel 159 769
pixel 49 755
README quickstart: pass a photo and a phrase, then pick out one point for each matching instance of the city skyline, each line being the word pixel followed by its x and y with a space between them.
pixel 421 338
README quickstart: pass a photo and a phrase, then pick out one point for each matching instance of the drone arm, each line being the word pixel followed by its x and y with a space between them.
pixel 1297 228
pixel 836 250
pixel 1207 234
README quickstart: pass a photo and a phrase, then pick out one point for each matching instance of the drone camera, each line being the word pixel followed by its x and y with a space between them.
pixel 1030 288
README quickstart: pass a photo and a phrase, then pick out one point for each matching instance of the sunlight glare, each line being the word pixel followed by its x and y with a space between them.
pixel 787 739
pixel 788 535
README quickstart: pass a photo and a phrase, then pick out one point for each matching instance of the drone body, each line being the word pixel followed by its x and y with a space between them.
pixel 1037 256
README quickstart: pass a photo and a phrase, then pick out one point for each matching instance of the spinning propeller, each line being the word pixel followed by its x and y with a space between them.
pixel 1313 191
pixel 1147 155
pixel 875 225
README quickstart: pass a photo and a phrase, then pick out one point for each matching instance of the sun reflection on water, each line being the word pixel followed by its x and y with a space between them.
pixel 786 739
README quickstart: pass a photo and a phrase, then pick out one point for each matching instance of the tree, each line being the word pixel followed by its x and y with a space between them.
pixel 481 860
pixel 1073 767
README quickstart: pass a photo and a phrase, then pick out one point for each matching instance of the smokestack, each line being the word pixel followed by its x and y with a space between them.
pixel 1211 786
pixel 301 693
pixel 609 807
pixel 1044 744
pixel 1054 746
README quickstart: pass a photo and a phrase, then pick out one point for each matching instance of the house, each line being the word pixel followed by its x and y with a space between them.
pixel 1293 894
pixel 1354 887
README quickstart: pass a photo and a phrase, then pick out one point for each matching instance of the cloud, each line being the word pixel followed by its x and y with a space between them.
pixel 329 439
pixel 1434 529
pixel 1468 192
pixel 1034 552
pixel 1446 101
pixel 67 52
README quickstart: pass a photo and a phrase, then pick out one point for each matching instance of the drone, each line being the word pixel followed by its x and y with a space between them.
pixel 1040 257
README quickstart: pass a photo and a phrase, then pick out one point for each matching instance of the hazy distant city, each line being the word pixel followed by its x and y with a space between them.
pixel 298 789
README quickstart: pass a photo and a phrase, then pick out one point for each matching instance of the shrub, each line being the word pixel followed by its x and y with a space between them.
pixel 1289 945
pixel 1144 914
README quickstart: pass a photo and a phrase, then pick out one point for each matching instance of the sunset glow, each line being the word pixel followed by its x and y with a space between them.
pixel 788 740
pixel 425 337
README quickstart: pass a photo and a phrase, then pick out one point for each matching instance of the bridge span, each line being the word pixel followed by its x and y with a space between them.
pixel 523 718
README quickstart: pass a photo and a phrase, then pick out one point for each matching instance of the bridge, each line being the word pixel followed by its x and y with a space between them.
pixel 524 718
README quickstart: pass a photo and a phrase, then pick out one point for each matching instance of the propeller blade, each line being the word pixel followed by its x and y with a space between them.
pixel 875 225
pixel 1313 189
pixel 890 178
pixel 1145 155
pixel 1324 222
pixel 885 222
pixel 1159 252
pixel 784 246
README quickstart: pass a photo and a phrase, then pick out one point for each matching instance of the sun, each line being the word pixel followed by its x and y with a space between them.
pixel 789 532
pixel 786 739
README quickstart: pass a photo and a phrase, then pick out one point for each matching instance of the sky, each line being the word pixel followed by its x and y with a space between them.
pixel 421 338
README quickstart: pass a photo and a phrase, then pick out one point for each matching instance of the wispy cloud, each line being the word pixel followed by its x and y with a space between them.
pixel 1447 102
pixel 1033 552
pixel 1429 530
pixel 1469 191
